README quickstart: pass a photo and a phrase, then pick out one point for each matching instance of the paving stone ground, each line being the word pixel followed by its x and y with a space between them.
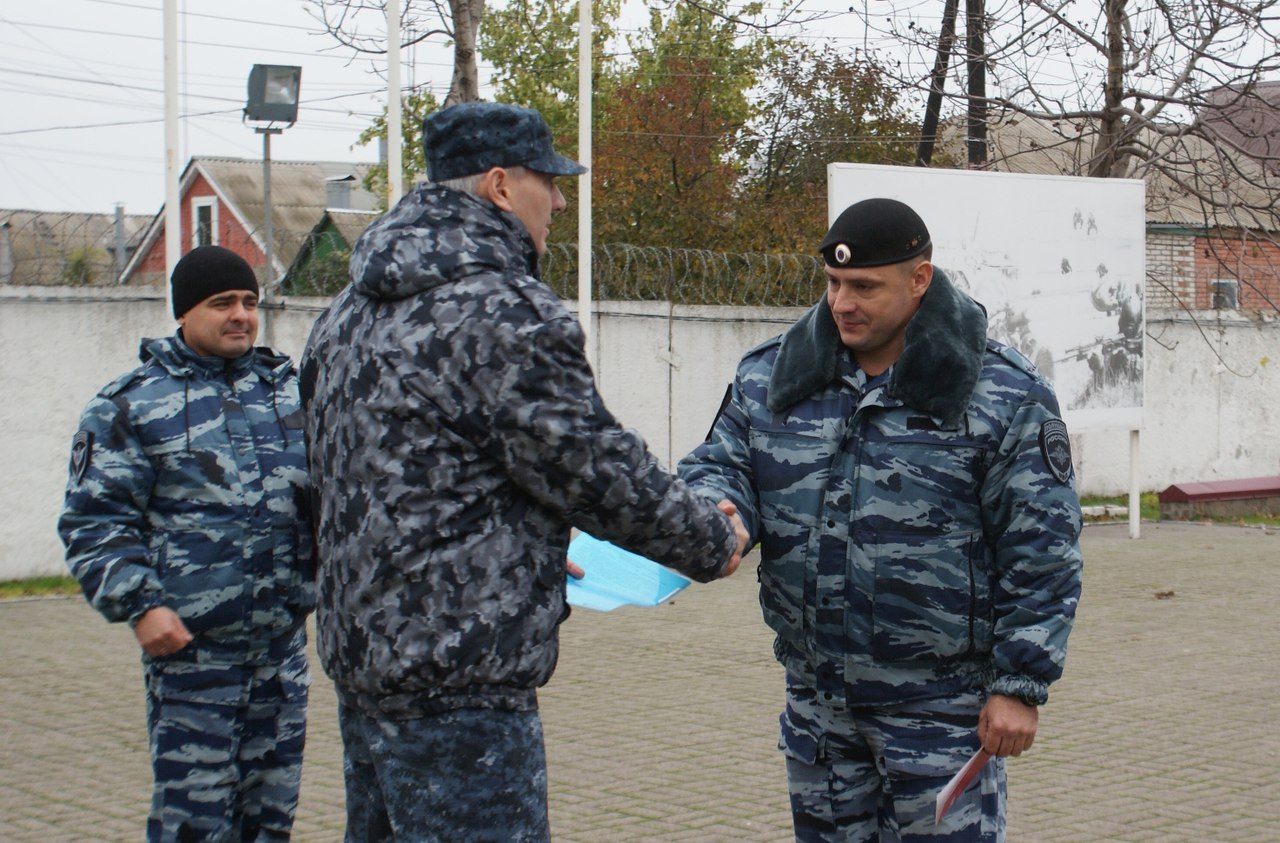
pixel 661 723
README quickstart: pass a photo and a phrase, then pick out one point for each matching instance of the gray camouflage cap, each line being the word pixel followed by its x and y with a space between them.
pixel 473 137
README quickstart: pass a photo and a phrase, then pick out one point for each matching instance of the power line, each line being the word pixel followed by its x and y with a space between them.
pixel 183 42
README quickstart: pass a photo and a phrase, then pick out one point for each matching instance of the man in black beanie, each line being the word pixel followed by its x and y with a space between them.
pixel 909 483
pixel 186 515
pixel 206 270
pixel 206 286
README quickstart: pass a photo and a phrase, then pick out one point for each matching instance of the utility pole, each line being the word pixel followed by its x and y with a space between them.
pixel 937 82
pixel 975 23
pixel 976 71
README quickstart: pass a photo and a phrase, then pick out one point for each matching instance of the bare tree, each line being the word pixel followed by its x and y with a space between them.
pixel 1178 93
pixel 755 17
pixel 360 27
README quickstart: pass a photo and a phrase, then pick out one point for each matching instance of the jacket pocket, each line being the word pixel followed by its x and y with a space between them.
pixel 203 579
pixel 932 596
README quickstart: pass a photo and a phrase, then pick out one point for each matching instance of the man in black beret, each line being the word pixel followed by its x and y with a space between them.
pixel 909 483
pixel 187 517
pixel 456 437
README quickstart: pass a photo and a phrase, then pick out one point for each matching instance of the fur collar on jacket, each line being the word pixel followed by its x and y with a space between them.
pixel 939 367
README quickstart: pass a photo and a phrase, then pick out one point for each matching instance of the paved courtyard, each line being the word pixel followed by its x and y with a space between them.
pixel 661 723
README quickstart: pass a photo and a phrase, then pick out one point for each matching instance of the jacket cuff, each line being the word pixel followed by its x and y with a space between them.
pixel 145 603
pixel 1030 690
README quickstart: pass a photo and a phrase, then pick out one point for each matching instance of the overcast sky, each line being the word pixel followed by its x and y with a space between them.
pixel 82 122
pixel 82 125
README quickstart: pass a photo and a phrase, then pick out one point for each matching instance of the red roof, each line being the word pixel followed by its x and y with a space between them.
pixel 1222 490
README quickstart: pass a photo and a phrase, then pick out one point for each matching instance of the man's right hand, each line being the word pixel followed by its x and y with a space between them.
pixel 740 533
pixel 161 632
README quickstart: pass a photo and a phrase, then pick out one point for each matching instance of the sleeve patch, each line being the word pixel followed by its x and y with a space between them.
pixel 1055 447
pixel 81 454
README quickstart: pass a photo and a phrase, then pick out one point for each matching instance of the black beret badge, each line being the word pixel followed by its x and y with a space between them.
pixel 874 232
pixel 81 454
pixel 1055 447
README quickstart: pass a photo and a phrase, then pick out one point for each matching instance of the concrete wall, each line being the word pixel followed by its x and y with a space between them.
pixel 1211 407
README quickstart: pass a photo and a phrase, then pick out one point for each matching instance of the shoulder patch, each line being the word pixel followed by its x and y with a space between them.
pixel 81 454
pixel 1055 447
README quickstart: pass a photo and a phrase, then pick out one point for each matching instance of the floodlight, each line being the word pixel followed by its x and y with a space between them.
pixel 273 93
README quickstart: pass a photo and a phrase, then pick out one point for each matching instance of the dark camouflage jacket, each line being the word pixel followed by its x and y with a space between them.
pixel 456 435
pixel 919 533
pixel 188 488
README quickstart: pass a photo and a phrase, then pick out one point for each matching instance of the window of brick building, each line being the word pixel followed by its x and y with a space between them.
pixel 204 219
pixel 1224 294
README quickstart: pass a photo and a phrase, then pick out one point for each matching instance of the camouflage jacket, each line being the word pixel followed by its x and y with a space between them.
pixel 918 533
pixel 456 435
pixel 188 489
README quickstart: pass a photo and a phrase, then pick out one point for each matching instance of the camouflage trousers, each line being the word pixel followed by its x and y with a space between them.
pixel 226 749
pixel 463 776
pixel 873 775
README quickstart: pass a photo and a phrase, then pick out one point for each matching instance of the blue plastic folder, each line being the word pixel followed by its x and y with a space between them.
pixel 616 577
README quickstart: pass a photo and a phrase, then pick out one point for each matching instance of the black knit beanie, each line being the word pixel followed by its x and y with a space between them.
pixel 207 271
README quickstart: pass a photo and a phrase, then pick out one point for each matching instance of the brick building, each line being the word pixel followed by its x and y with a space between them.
pixel 221 202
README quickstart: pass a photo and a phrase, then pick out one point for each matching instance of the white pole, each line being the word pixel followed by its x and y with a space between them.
pixel 268 239
pixel 1135 496
pixel 395 160
pixel 584 181
pixel 172 213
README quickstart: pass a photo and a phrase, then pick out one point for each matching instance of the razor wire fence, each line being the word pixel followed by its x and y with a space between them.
pixel 66 249
pixel 622 272
pixel 79 250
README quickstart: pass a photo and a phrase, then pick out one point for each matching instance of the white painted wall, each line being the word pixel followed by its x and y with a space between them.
pixel 1211 406
pixel 58 347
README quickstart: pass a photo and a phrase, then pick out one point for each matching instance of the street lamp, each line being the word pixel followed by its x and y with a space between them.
pixel 273 99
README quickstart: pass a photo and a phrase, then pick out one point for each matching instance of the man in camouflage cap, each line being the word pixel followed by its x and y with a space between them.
pixel 909 483
pixel 456 437
pixel 187 516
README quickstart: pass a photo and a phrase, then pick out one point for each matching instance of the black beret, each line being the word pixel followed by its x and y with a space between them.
pixel 473 137
pixel 874 232
pixel 206 271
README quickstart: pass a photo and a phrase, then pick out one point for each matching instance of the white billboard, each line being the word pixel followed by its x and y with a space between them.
pixel 1058 262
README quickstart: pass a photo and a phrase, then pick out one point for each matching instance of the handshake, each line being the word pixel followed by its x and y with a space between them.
pixel 740 533
pixel 576 572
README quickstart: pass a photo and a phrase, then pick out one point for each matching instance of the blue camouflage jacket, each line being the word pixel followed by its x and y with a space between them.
pixel 456 436
pixel 918 533
pixel 188 488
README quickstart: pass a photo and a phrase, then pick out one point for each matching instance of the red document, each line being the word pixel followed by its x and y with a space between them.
pixel 961 780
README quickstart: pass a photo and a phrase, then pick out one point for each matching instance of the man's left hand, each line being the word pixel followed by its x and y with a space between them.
pixel 1007 725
